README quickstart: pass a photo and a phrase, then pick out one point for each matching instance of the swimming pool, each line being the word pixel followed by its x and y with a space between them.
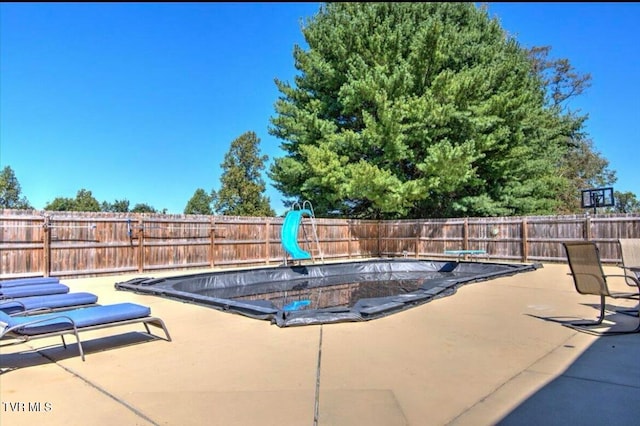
pixel 325 293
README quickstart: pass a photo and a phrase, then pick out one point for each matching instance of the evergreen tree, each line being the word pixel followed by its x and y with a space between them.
pixel 420 110
pixel 11 192
pixel 200 203
pixel 242 187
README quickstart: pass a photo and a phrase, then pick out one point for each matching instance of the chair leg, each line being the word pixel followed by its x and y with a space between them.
pixel 75 331
pixel 591 323
pixel 158 323
pixel 581 326
pixel 64 343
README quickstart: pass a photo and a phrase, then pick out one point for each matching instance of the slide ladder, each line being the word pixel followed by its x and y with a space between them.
pixel 289 234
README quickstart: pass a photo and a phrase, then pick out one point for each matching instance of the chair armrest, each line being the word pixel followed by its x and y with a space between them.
pixel 36 321
pixel 629 277
pixel 24 310
pixel 28 312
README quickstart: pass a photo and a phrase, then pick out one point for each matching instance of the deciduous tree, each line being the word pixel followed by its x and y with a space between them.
pixel 583 167
pixel 84 202
pixel 242 187
pixel 199 203
pixel 625 202
pixel 118 206
pixel 61 204
pixel 143 208
pixel 10 191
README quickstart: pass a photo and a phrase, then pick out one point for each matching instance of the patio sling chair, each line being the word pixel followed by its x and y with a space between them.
pixel 24 328
pixel 50 302
pixel 630 252
pixel 589 278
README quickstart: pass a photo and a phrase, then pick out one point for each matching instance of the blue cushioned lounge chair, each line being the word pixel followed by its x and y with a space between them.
pixel 32 290
pixel 24 328
pixel 50 302
pixel 28 281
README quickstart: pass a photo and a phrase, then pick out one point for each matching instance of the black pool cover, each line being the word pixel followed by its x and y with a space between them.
pixel 325 293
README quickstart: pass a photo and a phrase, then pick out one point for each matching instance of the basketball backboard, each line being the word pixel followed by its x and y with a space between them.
pixel 597 197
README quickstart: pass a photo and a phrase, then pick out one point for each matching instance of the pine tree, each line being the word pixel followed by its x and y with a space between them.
pixel 405 110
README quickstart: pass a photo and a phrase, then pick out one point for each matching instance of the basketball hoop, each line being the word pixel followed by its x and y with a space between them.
pixel 597 197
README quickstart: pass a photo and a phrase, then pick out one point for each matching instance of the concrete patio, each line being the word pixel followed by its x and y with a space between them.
pixel 483 356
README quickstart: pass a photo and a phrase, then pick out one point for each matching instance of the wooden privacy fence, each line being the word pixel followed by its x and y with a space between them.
pixel 72 244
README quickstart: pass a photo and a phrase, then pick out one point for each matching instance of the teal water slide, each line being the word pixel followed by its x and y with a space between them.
pixel 289 234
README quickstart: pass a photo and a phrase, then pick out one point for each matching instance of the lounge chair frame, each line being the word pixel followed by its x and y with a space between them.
pixel 13 332
pixel 589 278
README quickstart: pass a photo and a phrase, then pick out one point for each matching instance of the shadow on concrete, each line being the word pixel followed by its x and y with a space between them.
pixel 601 387
pixel 617 321
pixel 31 357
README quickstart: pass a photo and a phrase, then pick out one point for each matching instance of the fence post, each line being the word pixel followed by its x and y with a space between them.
pixel 525 237
pixel 46 249
pixel 348 238
pixel 212 245
pixel 418 233
pixel 465 234
pixel 267 238
pixel 379 222
pixel 140 245
pixel 587 228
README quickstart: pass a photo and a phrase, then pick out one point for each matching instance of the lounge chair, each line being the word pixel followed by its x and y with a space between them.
pixel 28 281
pixel 589 278
pixel 32 290
pixel 630 252
pixel 50 302
pixel 24 328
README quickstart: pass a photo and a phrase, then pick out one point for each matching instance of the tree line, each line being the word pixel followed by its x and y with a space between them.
pixel 241 192
pixel 409 110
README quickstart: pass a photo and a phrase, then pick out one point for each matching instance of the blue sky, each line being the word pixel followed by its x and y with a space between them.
pixel 140 101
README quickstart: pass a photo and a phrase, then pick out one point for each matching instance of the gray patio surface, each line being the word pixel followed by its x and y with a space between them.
pixel 483 356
